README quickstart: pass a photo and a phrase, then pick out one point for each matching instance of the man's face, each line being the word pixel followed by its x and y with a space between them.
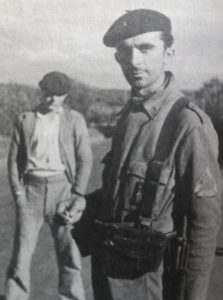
pixel 142 59
pixel 52 103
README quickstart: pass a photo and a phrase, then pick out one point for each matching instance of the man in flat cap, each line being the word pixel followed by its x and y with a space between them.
pixel 161 174
pixel 49 165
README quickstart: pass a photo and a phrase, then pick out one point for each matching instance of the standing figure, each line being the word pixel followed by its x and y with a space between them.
pixel 49 165
pixel 162 169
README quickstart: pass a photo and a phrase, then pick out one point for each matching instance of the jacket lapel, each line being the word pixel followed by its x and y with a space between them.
pixel 28 127
pixel 65 126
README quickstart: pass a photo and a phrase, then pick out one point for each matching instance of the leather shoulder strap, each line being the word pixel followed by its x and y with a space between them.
pixel 162 151
pixel 165 140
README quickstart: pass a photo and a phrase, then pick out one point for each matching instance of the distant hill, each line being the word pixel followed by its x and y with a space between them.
pixel 14 99
pixel 96 104
pixel 99 106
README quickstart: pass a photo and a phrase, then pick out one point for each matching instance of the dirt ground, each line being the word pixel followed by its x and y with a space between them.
pixel 43 269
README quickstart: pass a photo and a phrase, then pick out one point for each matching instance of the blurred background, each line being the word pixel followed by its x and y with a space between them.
pixel 41 36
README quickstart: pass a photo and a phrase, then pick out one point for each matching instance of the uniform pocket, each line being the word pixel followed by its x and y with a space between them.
pixel 137 169
pixel 132 180
pixel 144 188
pixel 151 183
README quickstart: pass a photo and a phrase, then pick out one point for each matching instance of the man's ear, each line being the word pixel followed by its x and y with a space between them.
pixel 117 58
pixel 169 53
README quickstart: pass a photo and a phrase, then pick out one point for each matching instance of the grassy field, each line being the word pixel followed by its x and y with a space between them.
pixel 43 269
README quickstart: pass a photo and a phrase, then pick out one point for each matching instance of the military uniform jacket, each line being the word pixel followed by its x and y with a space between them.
pixel 189 179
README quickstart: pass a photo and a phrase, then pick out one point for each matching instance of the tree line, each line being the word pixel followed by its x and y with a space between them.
pixel 99 106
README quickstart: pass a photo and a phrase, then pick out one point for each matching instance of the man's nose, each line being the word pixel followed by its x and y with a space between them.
pixel 136 57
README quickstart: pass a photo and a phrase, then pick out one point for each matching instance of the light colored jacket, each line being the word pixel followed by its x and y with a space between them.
pixel 189 177
pixel 74 144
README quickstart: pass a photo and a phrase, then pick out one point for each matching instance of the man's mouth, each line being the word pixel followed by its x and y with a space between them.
pixel 137 76
pixel 137 73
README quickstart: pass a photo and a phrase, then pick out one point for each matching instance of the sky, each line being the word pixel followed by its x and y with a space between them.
pixel 39 36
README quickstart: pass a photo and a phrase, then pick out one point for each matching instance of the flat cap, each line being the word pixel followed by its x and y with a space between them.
pixel 55 83
pixel 136 22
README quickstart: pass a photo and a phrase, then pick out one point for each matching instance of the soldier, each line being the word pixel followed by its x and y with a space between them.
pixel 164 151
pixel 49 165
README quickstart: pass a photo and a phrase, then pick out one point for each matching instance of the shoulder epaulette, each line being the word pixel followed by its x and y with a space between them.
pixel 196 110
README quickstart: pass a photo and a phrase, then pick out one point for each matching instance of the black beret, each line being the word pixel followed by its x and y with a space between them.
pixel 136 22
pixel 55 83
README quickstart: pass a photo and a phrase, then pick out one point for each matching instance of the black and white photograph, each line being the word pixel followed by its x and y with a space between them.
pixel 111 150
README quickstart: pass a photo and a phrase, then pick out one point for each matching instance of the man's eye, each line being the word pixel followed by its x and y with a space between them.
pixel 146 47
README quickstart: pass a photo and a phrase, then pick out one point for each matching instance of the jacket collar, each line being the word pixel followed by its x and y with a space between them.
pixel 40 115
pixel 153 103
pixel 65 122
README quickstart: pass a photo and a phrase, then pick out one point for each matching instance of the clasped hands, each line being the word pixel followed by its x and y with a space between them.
pixel 70 211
